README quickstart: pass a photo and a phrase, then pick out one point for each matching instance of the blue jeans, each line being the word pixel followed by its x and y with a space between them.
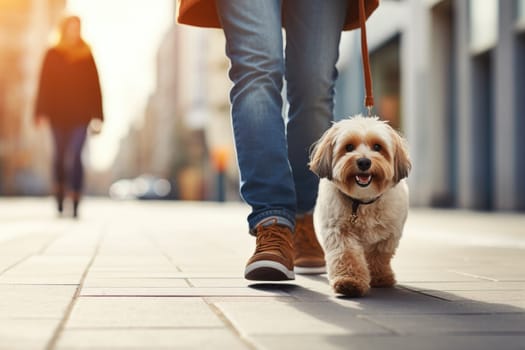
pixel 272 153
pixel 67 157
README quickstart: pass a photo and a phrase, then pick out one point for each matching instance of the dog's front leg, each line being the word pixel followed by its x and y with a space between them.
pixel 378 258
pixel 347 268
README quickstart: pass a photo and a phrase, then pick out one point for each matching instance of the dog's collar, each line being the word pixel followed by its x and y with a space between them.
pixel 356 203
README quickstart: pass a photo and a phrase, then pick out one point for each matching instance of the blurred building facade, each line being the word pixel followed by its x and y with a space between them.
pixel 24 150
pixel 447 73
pixel 450 74
pixel 187 118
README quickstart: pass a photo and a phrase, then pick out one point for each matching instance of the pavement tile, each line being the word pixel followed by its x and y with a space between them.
pixel 467 286
pixel 499 273
pixel 491 296
pixel 165 278
pixel 301 288
pixel 230 299
pixel 130 262
pixel 314 287
pixel 402 301
pixel 22 228
pixel 43 269
pixel 59 264
pixel 235 268
pixel 265 317
pixel 476 307
pixel 208 275
pixel 40 279
pixel 145 270
pixel 34 301
pixel 127 250
pixel 134 274
pixel 125 241
pixel 94 282
pixel 434 275
pixel 25 245
pixel 178 292
pixel 7 261
pixel 452 323
pixel 411 342
pixel 26 333
pixel 314 282
pixel 174 275
pixel 132 312
pixel 80 239
pixel 151 339
pixel 221 282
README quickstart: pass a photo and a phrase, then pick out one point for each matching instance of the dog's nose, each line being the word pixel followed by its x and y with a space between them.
pixel 364 164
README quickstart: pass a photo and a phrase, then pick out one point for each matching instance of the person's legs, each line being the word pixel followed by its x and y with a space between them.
pixel 254 45
pixel 59 172
pixel 75 146
pixel 313 32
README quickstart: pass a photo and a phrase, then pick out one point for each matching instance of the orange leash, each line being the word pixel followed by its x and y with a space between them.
pixel 369 97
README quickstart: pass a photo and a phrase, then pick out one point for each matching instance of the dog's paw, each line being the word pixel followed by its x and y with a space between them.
pixel 383 281
pixel 350 287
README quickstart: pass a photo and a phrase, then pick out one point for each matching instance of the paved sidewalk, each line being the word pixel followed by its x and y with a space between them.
pixel 164 275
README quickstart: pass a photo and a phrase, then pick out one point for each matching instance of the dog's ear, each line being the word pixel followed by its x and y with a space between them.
pixel 321 154
pixel 402 164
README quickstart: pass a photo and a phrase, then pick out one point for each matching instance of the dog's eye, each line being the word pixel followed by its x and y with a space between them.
pixel 349 148
pixel 377 147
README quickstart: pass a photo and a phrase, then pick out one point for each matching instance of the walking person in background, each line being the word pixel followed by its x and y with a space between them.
pixel 69 98
pixel 272 153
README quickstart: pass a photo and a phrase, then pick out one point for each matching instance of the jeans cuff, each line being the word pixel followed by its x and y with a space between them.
pixel 304 213
pixel 271 219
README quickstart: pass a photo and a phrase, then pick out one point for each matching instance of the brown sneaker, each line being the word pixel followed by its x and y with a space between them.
pixel 273 257
pixel 308 254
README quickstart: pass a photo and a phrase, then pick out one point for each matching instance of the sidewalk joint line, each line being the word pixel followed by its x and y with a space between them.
pixel 427 294
pixel 60 328
pixel 474 276
pixel 167 256
pixel 229 324
pixel 366 318
pixel 35 253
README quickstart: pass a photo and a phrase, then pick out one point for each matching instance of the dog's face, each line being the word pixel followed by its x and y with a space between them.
pixel 363 156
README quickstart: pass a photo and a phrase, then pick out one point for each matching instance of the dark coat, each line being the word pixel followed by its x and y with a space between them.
pixel 69 90
pixel 203 13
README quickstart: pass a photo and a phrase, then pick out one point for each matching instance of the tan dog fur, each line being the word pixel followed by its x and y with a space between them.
pixel 358 252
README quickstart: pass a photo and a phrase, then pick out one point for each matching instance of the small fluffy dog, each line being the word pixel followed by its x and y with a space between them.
pixel 362 204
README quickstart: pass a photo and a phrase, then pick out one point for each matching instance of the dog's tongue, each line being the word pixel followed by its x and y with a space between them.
pixel 363 178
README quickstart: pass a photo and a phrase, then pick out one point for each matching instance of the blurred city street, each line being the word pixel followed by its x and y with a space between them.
pixel 160 264
pixel 168 275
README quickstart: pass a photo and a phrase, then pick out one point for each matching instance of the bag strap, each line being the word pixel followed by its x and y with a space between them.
pixel 369 97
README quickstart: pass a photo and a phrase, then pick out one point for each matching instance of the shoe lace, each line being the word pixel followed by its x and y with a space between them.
pixel 272 238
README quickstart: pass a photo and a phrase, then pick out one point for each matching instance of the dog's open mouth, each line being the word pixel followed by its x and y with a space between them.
pixel 363 180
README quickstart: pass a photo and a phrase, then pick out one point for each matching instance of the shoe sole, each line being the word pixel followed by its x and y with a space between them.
pixel 267 270
pixel 309 270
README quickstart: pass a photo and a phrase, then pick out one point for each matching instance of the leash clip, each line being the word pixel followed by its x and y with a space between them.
pixel 369 109
pixel 355 207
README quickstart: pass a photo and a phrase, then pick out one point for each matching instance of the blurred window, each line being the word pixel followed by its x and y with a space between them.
pixel 520 13
pixel 483 23
pixel 385 63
